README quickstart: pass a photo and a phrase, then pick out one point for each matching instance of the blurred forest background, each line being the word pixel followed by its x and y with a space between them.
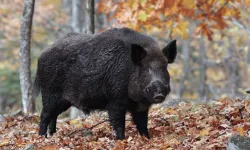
pixel 213 38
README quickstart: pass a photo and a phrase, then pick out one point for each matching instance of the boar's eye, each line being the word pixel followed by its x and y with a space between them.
pixel 163 68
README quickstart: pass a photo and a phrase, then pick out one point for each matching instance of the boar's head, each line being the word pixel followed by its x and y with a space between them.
pixel 150 80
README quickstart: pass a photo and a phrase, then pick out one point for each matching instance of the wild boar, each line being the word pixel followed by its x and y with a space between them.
pixel 119 70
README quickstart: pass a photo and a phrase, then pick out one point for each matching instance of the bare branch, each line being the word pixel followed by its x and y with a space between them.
pixel 241 25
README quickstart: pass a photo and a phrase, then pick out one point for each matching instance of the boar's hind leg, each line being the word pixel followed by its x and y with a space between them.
pixel 140 118
pixel 44 121
pixel 53 105
pixel 116 114
pixel 59 109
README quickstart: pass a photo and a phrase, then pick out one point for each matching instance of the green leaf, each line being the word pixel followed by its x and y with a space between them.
pixel 142 16
pixel 143 2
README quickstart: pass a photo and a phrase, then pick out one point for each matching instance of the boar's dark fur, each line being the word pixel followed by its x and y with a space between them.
pixel 118 70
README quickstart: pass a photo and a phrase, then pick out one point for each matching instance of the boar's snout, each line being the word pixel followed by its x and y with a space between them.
pixel 157 91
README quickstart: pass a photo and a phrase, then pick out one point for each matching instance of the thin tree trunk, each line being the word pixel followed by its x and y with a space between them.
pixel 235 74
pixel 247 62
pixel 185 53
pixel 232 69
pixel 90 16
pixel 77 23
pixel 83 20
pixel 77 15
pixel 25 73
pixel 202 89
pixel 186 56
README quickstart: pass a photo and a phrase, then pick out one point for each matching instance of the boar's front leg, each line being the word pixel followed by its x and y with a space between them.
pixel 116 114
pixel 140 118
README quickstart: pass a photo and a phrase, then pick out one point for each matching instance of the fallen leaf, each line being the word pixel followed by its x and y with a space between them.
pixel 51 147
pixel 240 130
pixel 4 142
pixel 204 132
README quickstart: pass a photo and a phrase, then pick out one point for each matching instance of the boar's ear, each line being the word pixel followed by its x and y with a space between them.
pixel 170 51
pixel 137 53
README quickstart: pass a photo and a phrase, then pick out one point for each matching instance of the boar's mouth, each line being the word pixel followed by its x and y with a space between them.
pixel 158 98
pixel 154 100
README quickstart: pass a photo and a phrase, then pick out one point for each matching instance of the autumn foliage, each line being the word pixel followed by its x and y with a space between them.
pixel 185 126
pixel 173 17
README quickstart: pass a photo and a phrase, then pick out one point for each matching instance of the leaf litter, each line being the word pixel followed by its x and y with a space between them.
pixel 185 126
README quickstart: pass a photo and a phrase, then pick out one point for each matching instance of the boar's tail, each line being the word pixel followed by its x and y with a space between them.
pixel 36 87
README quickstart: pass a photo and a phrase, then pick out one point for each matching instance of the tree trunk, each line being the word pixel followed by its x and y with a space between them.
pixel 77 21
pixel 25 73
pixel 186 56
pixel 185 53
pixel 202 89
pixel 83 20
pixel 90 16
pixel 77 16
pixel 235 72
pixel 232 69
pixel 247 63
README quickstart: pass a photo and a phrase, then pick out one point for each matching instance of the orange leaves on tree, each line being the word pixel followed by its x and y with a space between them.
pixel 181 29
pixel 205 30
pixel 209 14
pixel 233 13
pixel 190 4
pixel 247 2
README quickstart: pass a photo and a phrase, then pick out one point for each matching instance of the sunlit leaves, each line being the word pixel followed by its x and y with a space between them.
pixel 204 132
pixel 190 4
pixel 208 15
pixel 247 2
pixel 181 29
pixel 142 16
pixel 4 142
pixel 240 130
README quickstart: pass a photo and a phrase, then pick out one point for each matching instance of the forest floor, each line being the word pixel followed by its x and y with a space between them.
pixel 184 126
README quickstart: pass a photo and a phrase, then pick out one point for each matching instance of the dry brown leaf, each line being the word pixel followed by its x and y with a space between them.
pixel 50 147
